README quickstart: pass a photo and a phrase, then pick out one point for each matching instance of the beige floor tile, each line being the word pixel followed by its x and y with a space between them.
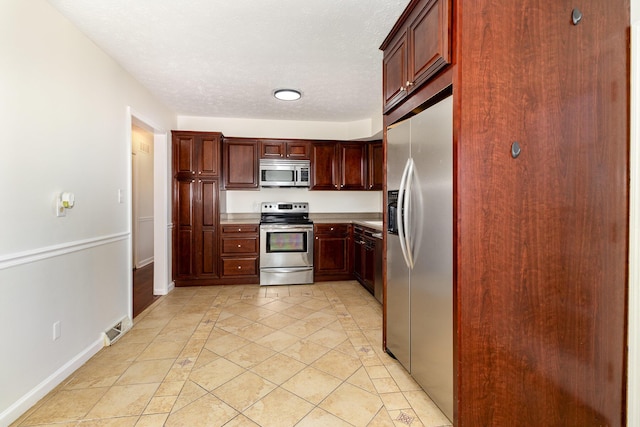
pixel 378 371
pixel 189 394
pixel 244 390
pixel 250 355
pixel 148 371
pixel 338 364
pixel 160 405
pixel 278 321
pixel 427 411
pixel 66 405
pixel 382 419
pixel 110 422
pixel 342 402
pixel 162 350
pixel 278 368
pixel 277 340
pixel 312 385
pixel 361 379
pixel 225 344
pixel 305 351
pixel 255 331
pixel 385 385
pixel 193 332
pixel 279 408
pixel 405 417
pixel 216 373
pixel 241 421
pixel 170 388
pixel 321 418
pixel 206 411
pixel 97 375
pixel 154 420
pixel 126 400
pixel 394 401
pixel 328 337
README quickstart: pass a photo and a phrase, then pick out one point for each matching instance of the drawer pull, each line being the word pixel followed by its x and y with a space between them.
pixel 239 267
pixel 239 246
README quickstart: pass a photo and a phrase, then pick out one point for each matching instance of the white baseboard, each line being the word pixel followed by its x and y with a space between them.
pixel 170 287
pixel 23 404
pixel 144 262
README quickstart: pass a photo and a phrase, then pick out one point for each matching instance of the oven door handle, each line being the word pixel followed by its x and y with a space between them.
pixel 285 269
pixel 287 228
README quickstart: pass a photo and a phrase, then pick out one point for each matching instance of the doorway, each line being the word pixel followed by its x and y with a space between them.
pixel 142 207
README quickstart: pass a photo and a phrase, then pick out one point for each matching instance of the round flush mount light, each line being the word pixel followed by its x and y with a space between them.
pixel 287 94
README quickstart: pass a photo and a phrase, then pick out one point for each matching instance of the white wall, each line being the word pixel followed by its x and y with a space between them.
pixel 319 201
pixel 254 128
pixel 64 117
pixel 142 150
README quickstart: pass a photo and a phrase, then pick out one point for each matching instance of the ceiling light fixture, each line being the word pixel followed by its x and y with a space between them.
pixel 287 94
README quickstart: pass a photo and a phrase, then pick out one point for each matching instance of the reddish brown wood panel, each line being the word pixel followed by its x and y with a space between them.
pixel 394 71
pixel 324 161
pixel 209 159
pixel 375 178
pixel 298 150
pixel 183 154
pixel 429 47
pixel 353 170
pixel 239 245
pixel 240 163
pixel 542 239
pixel 270 149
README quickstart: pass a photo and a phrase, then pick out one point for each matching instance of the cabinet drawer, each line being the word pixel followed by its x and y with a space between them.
pixel 239 266
pixel 239 245
pixel 334 229
pixel 240 228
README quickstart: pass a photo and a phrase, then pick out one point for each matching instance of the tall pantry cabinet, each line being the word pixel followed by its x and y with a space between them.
pixel 196 185
pixel 541 186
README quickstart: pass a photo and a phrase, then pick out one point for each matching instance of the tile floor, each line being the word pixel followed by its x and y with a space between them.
pixel 307 355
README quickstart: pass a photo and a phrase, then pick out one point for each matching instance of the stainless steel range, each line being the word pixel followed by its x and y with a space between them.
pixel 286 244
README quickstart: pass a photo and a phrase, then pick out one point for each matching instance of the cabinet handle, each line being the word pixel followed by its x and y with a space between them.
pixel 193 172
pixel 402 89
pixel 239 267
pixel 409 84
pixel 239 229
pixel 239 246
pixel 331 228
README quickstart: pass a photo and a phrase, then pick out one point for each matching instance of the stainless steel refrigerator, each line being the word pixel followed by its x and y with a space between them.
pixel 420 249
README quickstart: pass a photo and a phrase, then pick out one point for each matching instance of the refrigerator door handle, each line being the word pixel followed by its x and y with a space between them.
pixel 406 208
pixel 401 214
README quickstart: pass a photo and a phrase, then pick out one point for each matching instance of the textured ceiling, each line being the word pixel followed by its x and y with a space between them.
pixel 224 58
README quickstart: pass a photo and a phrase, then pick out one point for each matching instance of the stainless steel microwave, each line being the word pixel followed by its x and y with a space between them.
pixel 284 173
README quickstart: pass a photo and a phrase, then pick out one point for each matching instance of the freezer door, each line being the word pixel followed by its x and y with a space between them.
pixel 432 276
pixel 397 319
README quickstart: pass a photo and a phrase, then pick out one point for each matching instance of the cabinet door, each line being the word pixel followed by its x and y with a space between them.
pixel 240 158
pixel 184 227
pixel 358 250
pixel 272 149
pixel 375 177
pixel 394 72
pixel 332 249
pixel 206 236
pixel 298 150
pixel 208 161
pixel 353 166
pixel 323 164
pixel 428 41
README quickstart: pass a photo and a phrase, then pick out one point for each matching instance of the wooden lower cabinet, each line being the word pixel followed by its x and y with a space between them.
pixel 364 253
pixel 239 259
pixel 332 252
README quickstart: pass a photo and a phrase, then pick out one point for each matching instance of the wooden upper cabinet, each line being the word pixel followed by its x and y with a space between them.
pixel 324 160
pixel 209 156
pixel 196 153
pixel 417 48
pixel 375 178
pixel 338 165
pixel 283 149
pixel 240 163
pixel 353 168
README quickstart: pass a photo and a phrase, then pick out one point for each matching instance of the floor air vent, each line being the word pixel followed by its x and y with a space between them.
pixel 115 332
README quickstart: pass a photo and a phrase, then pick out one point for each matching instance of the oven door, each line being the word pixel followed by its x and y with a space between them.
pixel 286 246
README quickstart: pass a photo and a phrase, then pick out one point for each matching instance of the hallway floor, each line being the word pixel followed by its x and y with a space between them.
pixel 307 355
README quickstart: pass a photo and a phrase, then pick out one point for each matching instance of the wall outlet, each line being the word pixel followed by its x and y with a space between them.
pixel 56 330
